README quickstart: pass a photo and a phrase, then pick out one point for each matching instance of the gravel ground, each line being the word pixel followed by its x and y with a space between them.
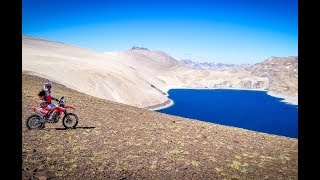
pixel 117 141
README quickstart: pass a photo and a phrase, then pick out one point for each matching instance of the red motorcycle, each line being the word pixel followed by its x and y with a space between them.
pixel 41 116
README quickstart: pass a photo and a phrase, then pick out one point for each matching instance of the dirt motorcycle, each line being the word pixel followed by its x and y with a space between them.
pixel 43 115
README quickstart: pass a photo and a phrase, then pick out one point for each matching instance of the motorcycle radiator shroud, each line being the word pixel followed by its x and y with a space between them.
pixel 41 111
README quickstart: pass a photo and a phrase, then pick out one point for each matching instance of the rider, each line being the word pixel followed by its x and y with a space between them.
pixel 46 98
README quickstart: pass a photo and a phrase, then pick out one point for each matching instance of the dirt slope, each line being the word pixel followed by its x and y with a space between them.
pixel 117 141
pixel 133 77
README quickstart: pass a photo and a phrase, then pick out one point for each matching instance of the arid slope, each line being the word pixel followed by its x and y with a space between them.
pixel 117 141
pixel 136 77
pixel 282 73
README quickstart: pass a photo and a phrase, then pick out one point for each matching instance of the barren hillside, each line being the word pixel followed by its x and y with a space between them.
pixel 118 141
pixel 282 73
pixel 138 77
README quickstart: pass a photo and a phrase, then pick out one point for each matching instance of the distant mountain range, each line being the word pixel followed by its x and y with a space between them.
pixel 213 65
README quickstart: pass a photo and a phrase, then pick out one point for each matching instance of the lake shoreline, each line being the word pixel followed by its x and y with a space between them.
pixel 168 103
pixel 234 108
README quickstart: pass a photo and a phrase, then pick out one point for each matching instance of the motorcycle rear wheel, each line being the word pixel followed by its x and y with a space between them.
pixel 34 122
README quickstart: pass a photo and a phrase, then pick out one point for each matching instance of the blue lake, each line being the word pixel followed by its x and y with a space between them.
pixel 252 110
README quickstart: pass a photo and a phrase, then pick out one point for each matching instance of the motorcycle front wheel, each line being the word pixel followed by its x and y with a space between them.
pixel 70 120
pixel 34 122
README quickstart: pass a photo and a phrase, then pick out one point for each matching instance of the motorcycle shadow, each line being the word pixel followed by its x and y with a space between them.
pixel 83 127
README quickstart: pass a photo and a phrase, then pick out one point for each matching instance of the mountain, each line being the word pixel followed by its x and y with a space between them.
pixel 124 77
pixel 212 65
pixel 282 73
pixel 138 77
pixel 139 48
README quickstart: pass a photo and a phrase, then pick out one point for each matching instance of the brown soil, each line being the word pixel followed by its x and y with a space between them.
pixel 117 141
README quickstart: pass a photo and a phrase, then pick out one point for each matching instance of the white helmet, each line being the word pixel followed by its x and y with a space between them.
pixel 47 86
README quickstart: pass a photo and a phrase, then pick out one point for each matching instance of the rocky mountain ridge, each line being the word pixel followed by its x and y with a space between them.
pixel 282 73
pixel 212 65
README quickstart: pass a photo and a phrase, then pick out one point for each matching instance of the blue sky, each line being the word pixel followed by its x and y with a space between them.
pixel 227 31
